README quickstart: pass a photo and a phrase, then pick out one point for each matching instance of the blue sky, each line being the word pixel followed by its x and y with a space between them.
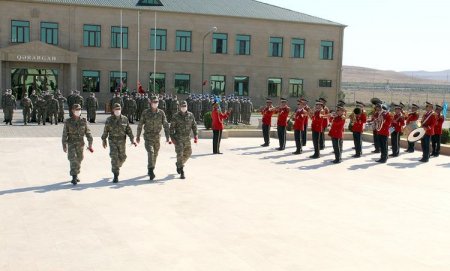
pixel 400 35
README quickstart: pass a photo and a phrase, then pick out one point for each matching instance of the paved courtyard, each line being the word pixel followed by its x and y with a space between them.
pixel 252 208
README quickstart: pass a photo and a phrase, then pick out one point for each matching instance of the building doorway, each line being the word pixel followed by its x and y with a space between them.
pixel 26 80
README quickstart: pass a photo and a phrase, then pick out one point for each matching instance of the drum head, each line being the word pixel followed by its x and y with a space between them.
pixel 416 135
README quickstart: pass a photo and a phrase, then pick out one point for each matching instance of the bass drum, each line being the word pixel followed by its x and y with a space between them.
pixel 416 135
pixel 409 128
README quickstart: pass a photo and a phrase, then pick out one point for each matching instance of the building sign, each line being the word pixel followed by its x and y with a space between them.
pixel 36 58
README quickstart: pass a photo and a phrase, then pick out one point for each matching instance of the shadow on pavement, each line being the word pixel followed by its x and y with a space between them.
pixel 363 166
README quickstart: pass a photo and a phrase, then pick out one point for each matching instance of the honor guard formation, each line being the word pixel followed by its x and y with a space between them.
pixel 178 120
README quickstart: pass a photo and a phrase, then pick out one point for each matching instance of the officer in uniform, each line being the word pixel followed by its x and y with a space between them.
pixel 131 105
pixel 152 120
pixel 27 106
pixel 61 101
pixel 398 122
pixel 336 133
pixel 436 138
pixel 33 98
pixel 325 123
pixel 52 110
pixel 317 127
pixel 182 124
pixel 116 99
pixel 267 113
pixel 283 114
pixel 428 123
pixel 300 116
pixel 75 129
pixel 413 116
pixel 117 128
pixel 358 121
pixel 383 133
pixel 9 104
pixel 41 106
pixel 91 107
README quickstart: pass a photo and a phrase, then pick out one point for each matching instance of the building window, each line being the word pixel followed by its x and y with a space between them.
pixel 241 85
pixel 217 84
pixel 91 35
pixel 49 33
pixel 326 50
pixel 243 44
pixel 276 47
pixel 115 37
pixel 157 83
pixel 183 83
pixel 296 87
pixel 20 31
pixel 118 81
pixel 325 83
pixel 274 87
pixel 158 42
pixel 91 81
pixel 219 43
pixel 183 41
pixel 298 48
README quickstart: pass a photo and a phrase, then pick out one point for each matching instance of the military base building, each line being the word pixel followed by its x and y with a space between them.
pixel 241 47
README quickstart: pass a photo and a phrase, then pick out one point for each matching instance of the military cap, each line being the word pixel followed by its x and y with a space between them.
pixel 402 105
pixel 428 103
pixel 283 100
pixel 154 99
pixel 438 106
pixel 183 103
pixel 339 107
pixel 76 107
pixel 302 100
pixel 415 105
pixel 319 102
pixel 117 106
pixel 341 102
pixel 384 107
pixel 360 103
pixel 323 100
pixel 268 100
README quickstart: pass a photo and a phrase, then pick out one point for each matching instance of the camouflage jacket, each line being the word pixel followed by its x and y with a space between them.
pixel 61 101
pixel 91 103
pixel 78 99
pixel 52 105
pixel 26 103
pixel 153 122
pixel 181 126
pixel 74 131
pixel 9 101
pixel 117 128
pixel 41 104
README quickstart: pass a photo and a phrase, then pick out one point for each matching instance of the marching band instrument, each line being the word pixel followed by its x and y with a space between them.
pixel 416 135
pixel 410 127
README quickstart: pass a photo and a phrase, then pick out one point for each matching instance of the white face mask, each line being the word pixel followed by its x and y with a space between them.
pixel 77 113
pixel 154 105
pixel 183 109
pixel 117 113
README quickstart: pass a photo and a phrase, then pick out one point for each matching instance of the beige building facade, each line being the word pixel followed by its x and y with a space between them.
pixel 71 45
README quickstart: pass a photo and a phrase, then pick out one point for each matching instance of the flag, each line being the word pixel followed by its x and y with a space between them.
pixel 444 110
pixel 140 88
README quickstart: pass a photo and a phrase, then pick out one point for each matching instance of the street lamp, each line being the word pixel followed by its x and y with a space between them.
pixel 213 29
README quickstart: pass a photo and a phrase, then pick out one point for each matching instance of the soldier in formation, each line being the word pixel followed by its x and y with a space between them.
pixel 8 105
pixel 27 107
pixel 91 107
pixel 61 101
pixel 52 110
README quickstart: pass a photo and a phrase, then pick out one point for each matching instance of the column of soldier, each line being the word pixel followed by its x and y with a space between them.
pixel 382 122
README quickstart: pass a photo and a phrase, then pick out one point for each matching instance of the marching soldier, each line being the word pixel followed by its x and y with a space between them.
pixel 41 106
pixel 33 98
pixel 117 128
pixel 397 123
pixel 217 117
pixel 91 107
pixel 436 138
pixel 131 105
pixel 152 120
pixel 9 104
pixel 75 129
pixel 300 116
pixel 413 117
pixel 52 110
pixel 283 114
pixel 267 113
pixel 317 127
pixel 358 121
pixel 116 99
pixel 428 123
pixel 182 124
pixel 336 133
pixel 27 106
pixel 71 101
pixel 383 132
pixel 61 101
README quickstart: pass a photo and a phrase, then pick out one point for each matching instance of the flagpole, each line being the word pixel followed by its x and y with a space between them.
pixel 121 51
pixel 154 60
pixel 138 45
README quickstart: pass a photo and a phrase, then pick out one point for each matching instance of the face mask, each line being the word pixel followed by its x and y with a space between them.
pixel 183 109
pixel 117 113
pixel 77 113
pixel 154 105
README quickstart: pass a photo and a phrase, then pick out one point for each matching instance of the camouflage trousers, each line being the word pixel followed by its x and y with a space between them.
pixel 41 116
pixel 61 115
pixel 91 114
pixel 9 112
pixel 53 116
pixel 117 152
pixel 26 115
pixel 184 150
pixel 75 156
pixel 152 146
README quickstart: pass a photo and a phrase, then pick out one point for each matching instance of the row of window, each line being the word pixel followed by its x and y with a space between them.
pixel 20 33
pixel 157 84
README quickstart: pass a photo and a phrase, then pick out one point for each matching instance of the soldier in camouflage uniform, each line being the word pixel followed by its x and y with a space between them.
pixel 33 98
pixel 9 104
pixel 152 120
pixel 27 106
pixel 75 128
pixel 139 98
pixel 41 107
pixel 52 110
pixel 116 99
pixel 117 128
pixel 182 124
pixel 131 106
pixel 61 101
pixel 78 99
pixel 91 107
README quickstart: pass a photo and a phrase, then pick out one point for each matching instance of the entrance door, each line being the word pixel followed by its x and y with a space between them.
pixel 28 79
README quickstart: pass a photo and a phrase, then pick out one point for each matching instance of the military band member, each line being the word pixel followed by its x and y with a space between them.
pixel 217 126
pixel 325 122
pixel 152 120
pixel 428 123
pixel 317 127
pixel 27 107
pixel 436 138
pixel 183 123
pixel 358 121
pixel 75 129
pixel 117 128
pixel 398 122
pixel 375 116
pixel 283 114
pixel 385 120
pixel 267 113
pixel 413 117
pixel 300 117
pixel 336 133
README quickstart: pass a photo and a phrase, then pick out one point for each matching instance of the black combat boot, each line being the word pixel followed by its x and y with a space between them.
pixel 182 173
pixel 74 179
pixel 116 178
pixel 178 169
pixel 151 174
